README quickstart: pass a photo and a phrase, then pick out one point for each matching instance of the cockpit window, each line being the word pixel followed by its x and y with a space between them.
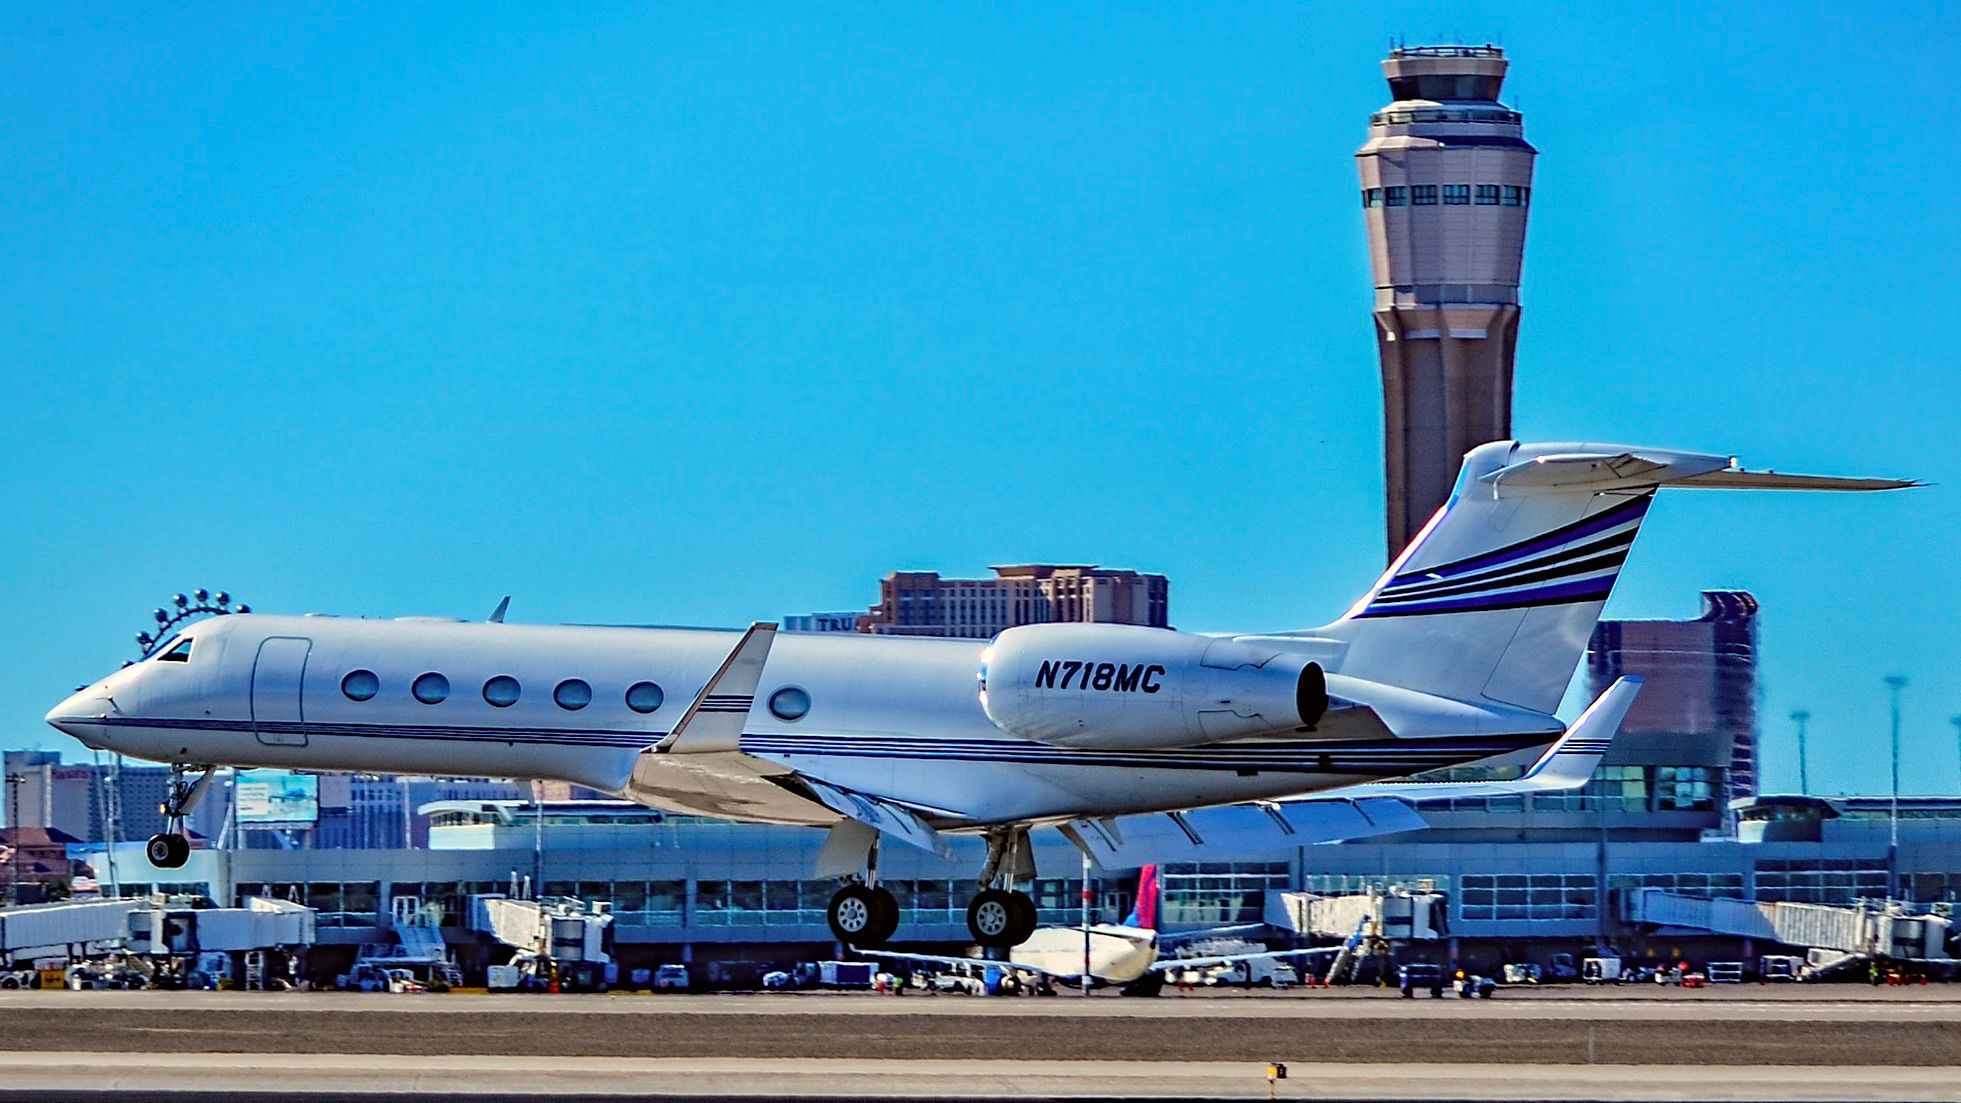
pixel 179 652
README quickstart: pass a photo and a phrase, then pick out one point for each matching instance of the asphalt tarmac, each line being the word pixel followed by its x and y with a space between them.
pixel 1842 1042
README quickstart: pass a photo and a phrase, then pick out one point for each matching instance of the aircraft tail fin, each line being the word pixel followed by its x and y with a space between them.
pixel 1495 599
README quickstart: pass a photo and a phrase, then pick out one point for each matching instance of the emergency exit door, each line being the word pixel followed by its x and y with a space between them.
pixel 278 691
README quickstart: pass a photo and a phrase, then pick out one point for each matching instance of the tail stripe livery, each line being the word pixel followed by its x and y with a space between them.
pixel 1578 562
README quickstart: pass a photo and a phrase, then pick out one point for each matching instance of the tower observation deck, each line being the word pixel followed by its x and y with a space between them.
pixel 1446 185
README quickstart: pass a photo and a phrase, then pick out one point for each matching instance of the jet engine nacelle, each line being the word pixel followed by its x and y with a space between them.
pixel 1118 687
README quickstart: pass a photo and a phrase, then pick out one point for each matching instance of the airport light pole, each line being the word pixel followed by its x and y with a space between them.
pixel 1086 977
pixel 15 780
pixel 1802 716
pixel 1894 684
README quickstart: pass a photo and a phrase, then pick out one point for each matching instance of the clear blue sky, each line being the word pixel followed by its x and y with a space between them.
pixel 714 313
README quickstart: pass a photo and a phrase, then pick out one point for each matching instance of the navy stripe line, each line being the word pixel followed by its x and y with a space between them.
pixel 1610 561
pixel 1567 594
pixel 1585 526
pixel 1621 542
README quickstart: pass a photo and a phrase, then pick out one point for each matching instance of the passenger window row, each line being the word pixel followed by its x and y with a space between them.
pixel 501 691
pixel 1451 195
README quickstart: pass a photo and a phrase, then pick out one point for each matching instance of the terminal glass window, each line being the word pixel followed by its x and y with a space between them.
pixel 1684 788
pixel 1457 195
pixel 1521 896
pixel 1487 195
pixel 1423 195
pixel 1395 197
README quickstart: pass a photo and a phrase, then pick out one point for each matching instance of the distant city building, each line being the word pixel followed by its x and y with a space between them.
pixel 822 622
pixel 1698 711
pixel 79 799
pixel 1446 184
pixel 921 603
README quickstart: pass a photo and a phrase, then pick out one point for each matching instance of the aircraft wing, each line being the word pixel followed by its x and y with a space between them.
pixel 978 962
pixel 1166 964
pixel 1354 812
pixel 700 767
pixel 885 816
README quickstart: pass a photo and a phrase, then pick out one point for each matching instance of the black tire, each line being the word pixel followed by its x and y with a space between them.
pixel 1025 918
pixel 167 851
pixel 885 913
pixel 854 914
pixel 1000 921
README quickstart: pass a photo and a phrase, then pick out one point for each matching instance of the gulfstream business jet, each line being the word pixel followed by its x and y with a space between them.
pixel 1140 744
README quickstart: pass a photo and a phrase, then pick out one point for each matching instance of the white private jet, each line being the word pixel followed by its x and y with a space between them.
pixel 1140 744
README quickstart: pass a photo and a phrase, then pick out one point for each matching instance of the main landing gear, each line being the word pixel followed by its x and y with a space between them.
pixel 866 916
pixel 170 850
pixel 1000 917
pixel 862 914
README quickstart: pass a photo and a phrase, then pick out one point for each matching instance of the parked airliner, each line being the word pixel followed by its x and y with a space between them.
pixel 1140 744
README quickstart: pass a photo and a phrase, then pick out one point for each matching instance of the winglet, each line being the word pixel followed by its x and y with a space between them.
pixel 715 720
pixel 504 606
pixel 1571 760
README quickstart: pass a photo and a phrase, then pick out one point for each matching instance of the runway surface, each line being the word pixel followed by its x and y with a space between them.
pixel 1837 1042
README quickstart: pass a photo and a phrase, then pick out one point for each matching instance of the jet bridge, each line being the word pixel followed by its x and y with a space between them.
pixel 67 929
pixel 1398 913
pixel 558 936
pixel 1835 936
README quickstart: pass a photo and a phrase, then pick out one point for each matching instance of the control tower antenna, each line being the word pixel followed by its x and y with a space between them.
pixel 1446 184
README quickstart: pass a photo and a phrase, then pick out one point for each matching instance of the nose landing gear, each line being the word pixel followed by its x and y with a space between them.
pixel 170 850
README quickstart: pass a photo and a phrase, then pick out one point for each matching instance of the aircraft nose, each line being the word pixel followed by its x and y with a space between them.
pixel 77 716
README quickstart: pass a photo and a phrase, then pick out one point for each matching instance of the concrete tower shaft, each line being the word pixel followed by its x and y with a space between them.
pixel 1446 185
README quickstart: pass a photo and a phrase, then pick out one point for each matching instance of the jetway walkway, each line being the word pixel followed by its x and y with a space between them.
pixel 563 930
pixel 1840 934
pixel 53 930
pixel 1397 914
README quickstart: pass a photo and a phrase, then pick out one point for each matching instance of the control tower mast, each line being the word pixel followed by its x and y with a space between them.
pixel 1446 183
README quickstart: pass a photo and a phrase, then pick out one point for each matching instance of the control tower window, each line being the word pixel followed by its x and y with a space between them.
pixel 1516 196
pixel 1487 195
pixel 1423 195
pixel 1446 86
pixel 1395 197
pixel 1457 195
pixel 1371 197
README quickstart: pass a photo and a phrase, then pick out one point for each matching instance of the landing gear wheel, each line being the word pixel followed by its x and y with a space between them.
pixel 1025 918
pixel 999 919
pixel 886 912
pixel 861 916
pixel 168 851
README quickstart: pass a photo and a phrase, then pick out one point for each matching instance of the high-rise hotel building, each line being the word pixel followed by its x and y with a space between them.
pixel 1446 186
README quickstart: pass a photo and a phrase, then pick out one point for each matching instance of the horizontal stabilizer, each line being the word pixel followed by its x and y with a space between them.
pixel 1599 468
pixel 1240 830
pixel 1567 764
pixel 1354 812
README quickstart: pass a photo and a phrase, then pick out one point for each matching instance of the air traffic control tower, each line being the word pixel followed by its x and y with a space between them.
pixel 1446 185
